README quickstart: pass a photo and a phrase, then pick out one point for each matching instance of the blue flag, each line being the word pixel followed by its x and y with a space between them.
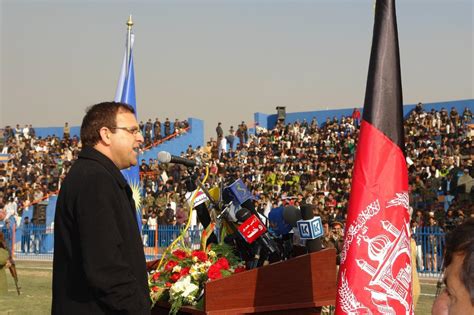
pixel 126 94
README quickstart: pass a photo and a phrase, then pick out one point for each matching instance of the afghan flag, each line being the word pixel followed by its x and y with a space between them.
pixel 375 276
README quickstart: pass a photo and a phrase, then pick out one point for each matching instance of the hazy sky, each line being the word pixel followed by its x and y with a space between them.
pixel 221 60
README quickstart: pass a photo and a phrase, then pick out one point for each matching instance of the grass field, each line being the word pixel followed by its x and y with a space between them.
pixel 35 298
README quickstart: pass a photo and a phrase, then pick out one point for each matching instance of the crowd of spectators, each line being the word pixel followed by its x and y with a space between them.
pixel 292 163
pixel 310 162
pixel 154 131
pixel 33 167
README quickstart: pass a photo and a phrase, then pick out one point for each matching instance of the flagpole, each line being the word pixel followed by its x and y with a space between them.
pixel 129 42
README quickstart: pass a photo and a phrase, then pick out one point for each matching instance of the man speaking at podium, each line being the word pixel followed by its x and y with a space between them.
pixel 99 264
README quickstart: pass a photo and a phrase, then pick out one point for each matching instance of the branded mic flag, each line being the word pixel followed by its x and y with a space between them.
pixel 375 276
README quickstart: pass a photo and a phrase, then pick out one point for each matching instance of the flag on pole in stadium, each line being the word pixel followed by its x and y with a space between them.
pixel 375 276
pixel 126 94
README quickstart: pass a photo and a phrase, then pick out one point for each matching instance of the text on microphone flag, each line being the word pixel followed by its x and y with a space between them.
pixel 310 229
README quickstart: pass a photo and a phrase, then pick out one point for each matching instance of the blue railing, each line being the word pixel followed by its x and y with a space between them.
pixel 155 241
pixel 430 243
pixel 37 243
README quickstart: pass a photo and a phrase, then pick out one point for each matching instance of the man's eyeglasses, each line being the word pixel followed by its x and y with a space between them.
pixel 132 130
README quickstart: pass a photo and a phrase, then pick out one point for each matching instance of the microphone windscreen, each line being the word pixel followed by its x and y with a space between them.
pixel 243 214
pixel 277 221
pixel 307 211
pixel 291 215
pixel 164 157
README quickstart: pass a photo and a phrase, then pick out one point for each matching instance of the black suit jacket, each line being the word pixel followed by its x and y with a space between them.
pixel 99 265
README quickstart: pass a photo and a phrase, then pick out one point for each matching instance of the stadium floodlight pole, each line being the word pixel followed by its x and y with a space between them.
pixel 129 42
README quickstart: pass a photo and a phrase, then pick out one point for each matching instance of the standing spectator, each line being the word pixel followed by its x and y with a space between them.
pixel 36 228
pixel 230 137
pixel 466 115
pixel 32 131
pixel 167 127
pixel 219 131
pixel 148 132
pixel 169 214
pixel 431 247
pixel 152 224
pixel 240 135
pixel 356 117
pixel 99 264
pixel 18 133
pixel 66 131
pixel 245 131
pixel 417 236
pixel 26 132
pixel 177 127
pixel 157 130
pixel 25 236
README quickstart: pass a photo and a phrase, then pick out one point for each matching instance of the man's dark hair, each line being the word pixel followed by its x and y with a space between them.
pixel 461 241
pixel 98 116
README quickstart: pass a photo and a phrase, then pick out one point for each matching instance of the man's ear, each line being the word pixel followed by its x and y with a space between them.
pixel 105 135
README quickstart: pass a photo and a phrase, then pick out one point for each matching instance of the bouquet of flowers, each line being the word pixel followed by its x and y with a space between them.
pixel 180 279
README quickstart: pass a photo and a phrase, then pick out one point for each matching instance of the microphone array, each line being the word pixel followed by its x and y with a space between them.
pixel 255 242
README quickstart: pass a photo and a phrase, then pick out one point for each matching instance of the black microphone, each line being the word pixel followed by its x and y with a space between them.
pixel 291 215
pixel 313 245
pixel 244 216
pixel 201 210
pixel 166 157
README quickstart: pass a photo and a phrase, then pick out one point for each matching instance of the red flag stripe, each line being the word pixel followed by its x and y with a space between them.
pixel 375 272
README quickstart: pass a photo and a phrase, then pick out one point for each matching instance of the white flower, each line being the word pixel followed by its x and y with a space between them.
pixel 176 268
pixel 183 287
pixel 191 288
pixel 212 253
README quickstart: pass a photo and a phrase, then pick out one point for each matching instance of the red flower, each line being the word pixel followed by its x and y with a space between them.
pixel 155 288
pixel 168 284
pixel 223 263
pixel 184 271
pixel 239 269
pixel 175 277
pixel 202 256
pixel 181 254
pixel 214 272
pixel 156 275
pixel 170 265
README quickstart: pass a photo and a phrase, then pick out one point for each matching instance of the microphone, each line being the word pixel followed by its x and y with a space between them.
pixel 278 224
pixel 284 219
pixel 310 228
pixel 252 229
pixel 166 157
pixel 291 215
pixel 283 228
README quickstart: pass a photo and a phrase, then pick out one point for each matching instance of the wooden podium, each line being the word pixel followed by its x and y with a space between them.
pixel 301 285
